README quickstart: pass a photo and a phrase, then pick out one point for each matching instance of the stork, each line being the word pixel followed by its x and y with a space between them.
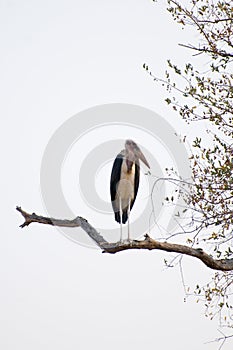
pixel 125 181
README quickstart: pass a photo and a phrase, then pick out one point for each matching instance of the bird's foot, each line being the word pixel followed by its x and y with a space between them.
pixel 124 241
pixel 128 241
pixel 120 242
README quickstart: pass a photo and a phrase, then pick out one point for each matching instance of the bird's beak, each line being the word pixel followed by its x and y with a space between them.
pixel 142 158
pixel 135 152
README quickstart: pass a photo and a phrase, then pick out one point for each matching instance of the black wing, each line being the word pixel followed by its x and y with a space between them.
pixel 115 178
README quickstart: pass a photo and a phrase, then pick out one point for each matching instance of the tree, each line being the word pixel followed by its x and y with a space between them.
pixel 197 96
pixel 208 97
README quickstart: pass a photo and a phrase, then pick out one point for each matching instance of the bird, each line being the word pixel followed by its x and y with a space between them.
pixel 124 182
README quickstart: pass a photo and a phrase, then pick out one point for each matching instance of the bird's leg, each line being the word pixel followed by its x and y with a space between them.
pixel 128 220
pixel 120 206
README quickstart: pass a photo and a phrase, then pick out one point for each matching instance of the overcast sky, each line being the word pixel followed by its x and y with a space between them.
pixel 59 58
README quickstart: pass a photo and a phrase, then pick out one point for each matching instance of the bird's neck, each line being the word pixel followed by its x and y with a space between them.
pixel 129 164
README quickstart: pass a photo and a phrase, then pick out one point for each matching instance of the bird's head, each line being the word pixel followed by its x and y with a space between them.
pixel 133 152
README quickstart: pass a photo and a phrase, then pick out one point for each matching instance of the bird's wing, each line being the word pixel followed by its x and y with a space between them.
pixel 115 178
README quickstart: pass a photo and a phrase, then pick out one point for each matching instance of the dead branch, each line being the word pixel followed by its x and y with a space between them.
pixel 147 243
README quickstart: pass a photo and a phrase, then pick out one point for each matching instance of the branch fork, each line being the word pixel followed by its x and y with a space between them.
pixel 115 247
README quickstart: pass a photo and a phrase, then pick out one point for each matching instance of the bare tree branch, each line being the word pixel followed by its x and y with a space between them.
pixel 203 49
pixel 77 222
pixel 147 243
pixel 221 339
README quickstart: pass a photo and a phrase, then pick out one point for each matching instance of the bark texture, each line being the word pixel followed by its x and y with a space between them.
pixel 147 243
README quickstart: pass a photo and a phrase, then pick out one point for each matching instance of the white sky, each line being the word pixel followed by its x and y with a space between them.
pixel 57 59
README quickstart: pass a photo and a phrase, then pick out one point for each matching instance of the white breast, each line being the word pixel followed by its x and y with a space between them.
pixel 125 188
